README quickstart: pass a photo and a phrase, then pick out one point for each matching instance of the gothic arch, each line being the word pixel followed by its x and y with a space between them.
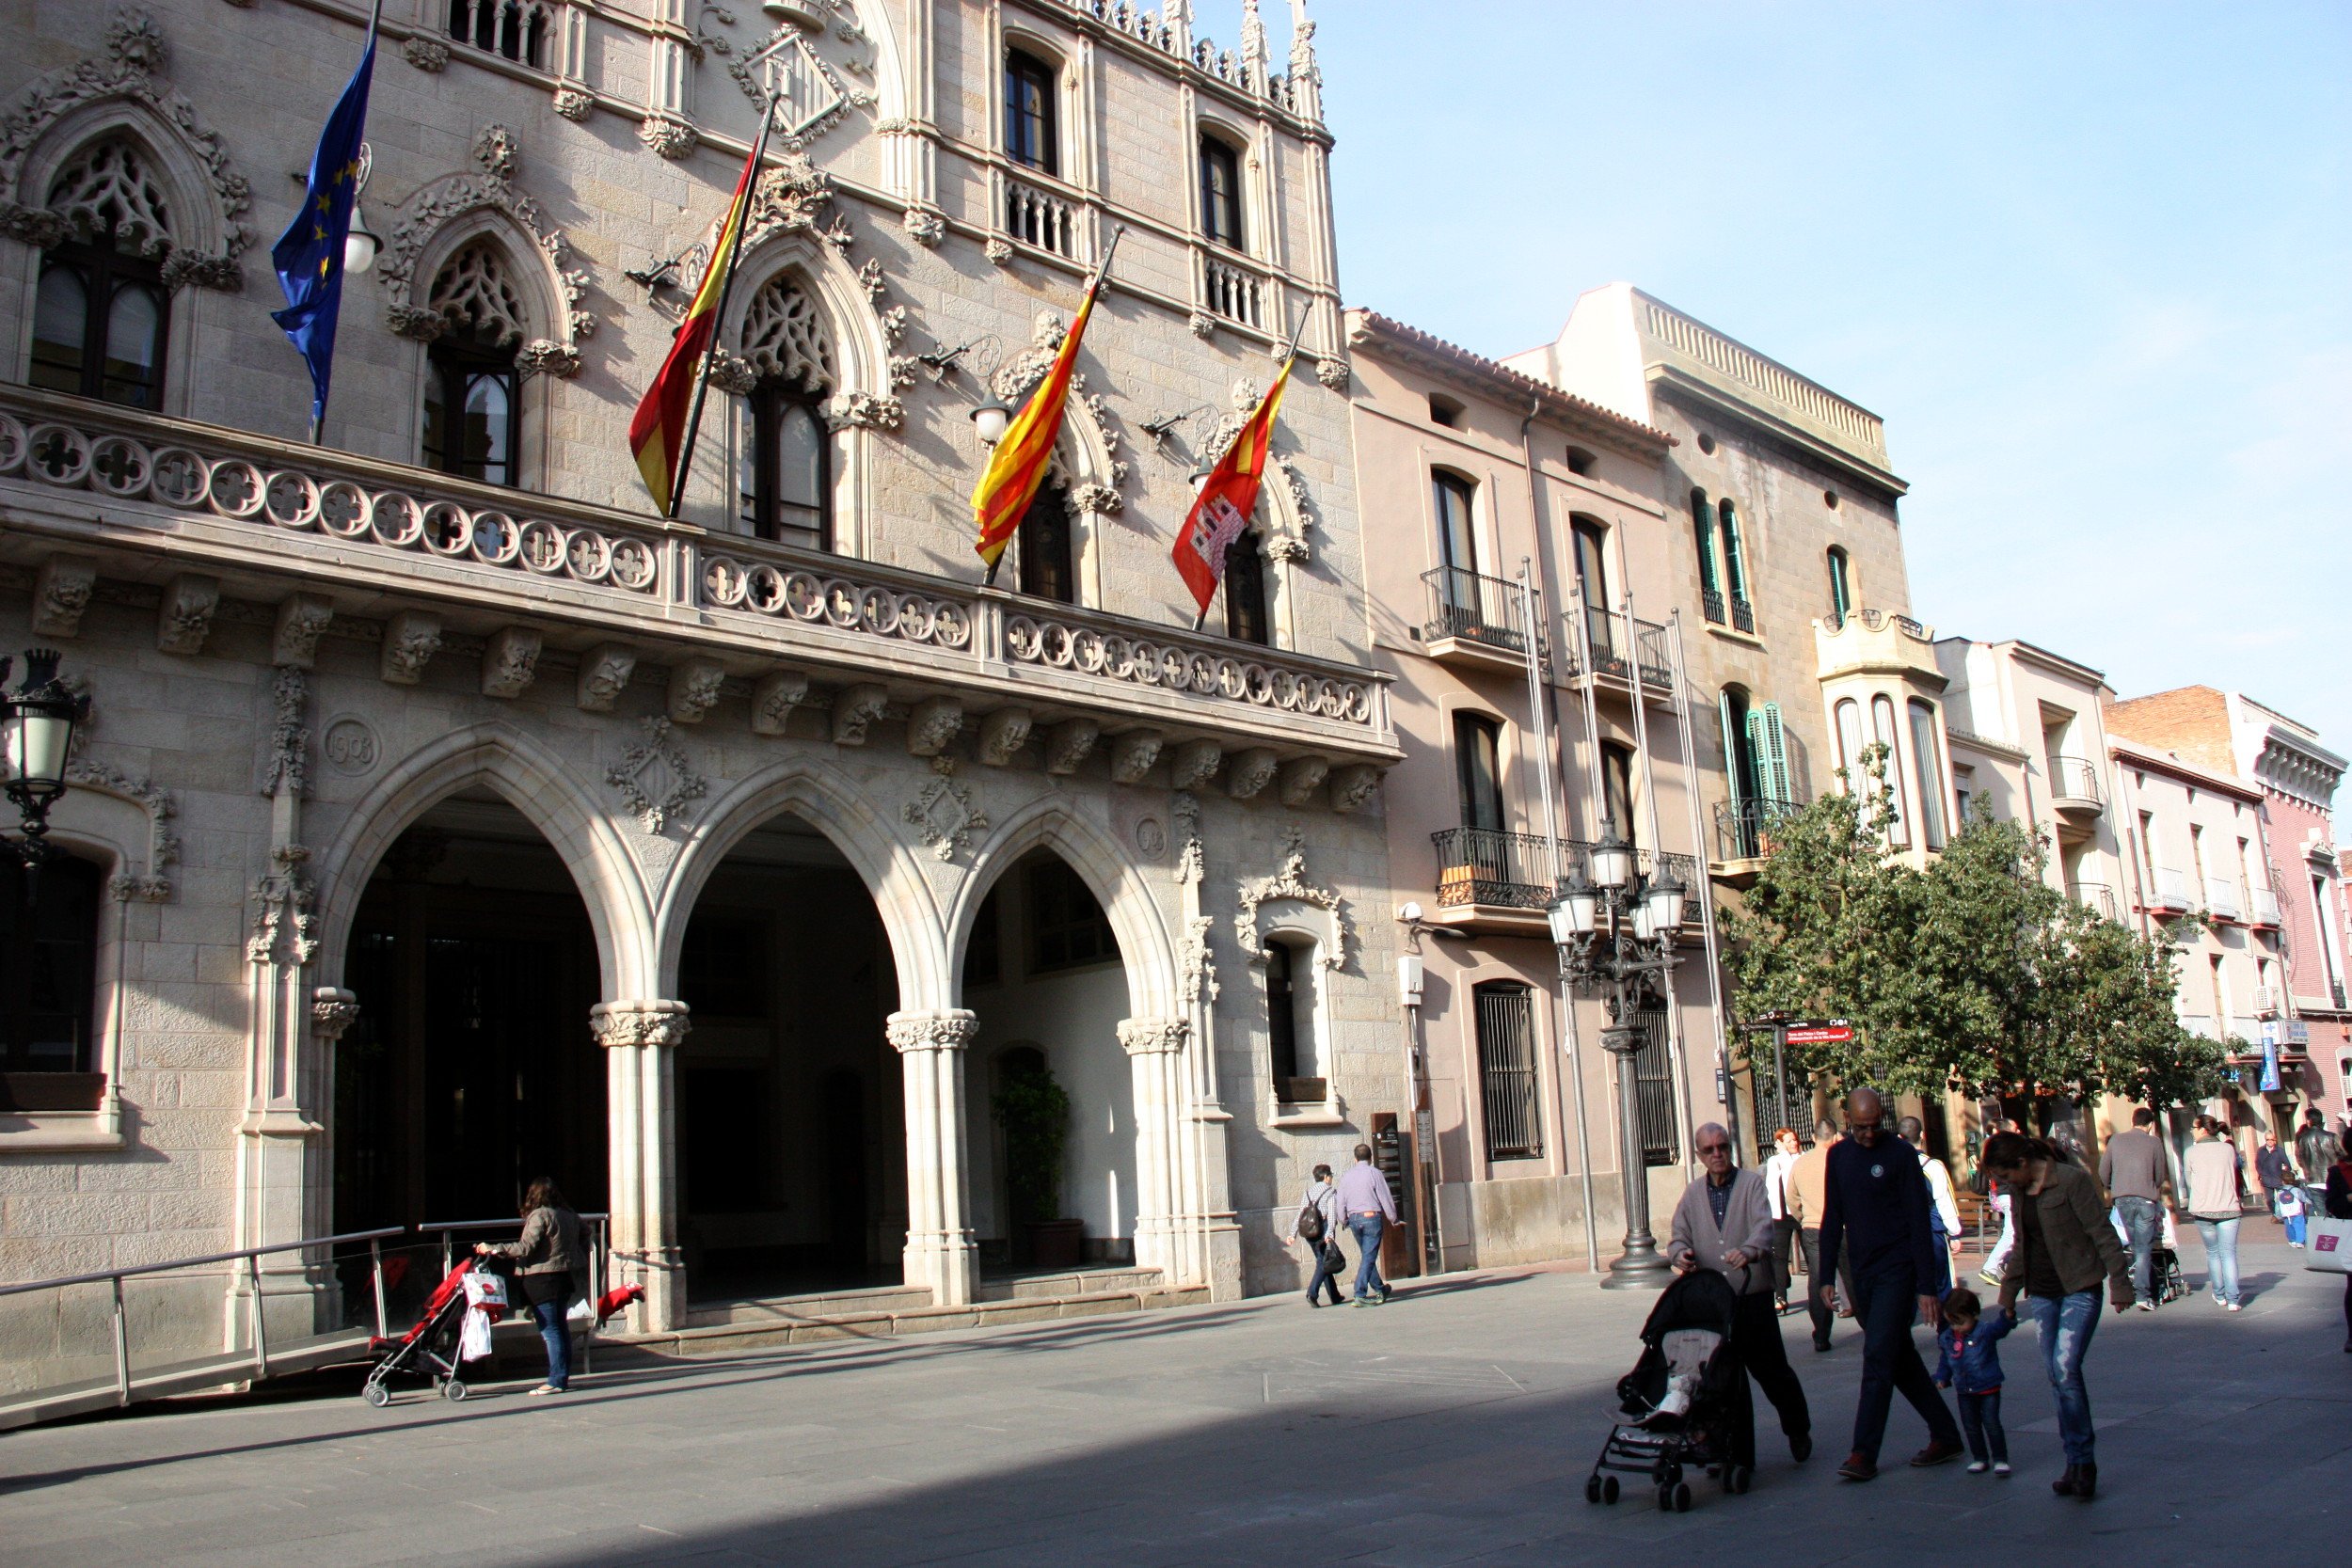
pixel 859 343
pixel 1145 948
pixel 536 783
pixel 836 806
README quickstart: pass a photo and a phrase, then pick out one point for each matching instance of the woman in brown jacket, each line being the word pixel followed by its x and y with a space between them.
pixel 550 1255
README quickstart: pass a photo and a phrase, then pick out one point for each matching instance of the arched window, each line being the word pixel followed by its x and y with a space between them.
pixel 1927 774
pixel 1048 554
pixel 1849 742
pixel 1710 580
pixel 1032 138
pixel 785 452
pixel 1591 541
pixel 1220 192
pixel 1244 589
pixel 1840 586
pixel 472 407
pixel 1883 729
pixel 517 29
pixel 48 966
pixel 1506 1070
pixel 1736 567
pixel 102 310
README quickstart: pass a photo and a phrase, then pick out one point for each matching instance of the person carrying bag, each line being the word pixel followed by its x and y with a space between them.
pixel 551 1269
pixel 1316 1226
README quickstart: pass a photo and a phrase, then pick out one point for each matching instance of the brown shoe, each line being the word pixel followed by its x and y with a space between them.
pixel 1937 1452
pixel 1858 1467
pixel 2064 1486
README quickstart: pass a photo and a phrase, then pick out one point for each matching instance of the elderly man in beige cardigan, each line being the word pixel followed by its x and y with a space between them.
pixel 1725 1223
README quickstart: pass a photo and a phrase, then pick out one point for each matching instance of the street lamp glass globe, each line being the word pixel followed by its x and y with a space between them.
pixel 989 417
pixel 40 717
pixel 1665 906
pixel 1643 929
pixel 1613 860
pixel 360 245
pixel 1576 912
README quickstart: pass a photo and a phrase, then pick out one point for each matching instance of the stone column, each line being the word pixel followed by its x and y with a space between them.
pixel 940 1255
pixel 641 1037
pixel 1156 1054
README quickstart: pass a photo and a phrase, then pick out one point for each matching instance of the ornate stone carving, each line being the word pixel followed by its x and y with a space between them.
pixel 901 372
pixel 1201 322
pixel 865 411
pixel 574 102
pixel 162 846
pixel 651 1021
pixel 952 1030
pixel 1003 734
pixel 411 638
pixel 545 357
pixel 730 374
pixel 428 55
pixel 655 779
pixel 1198 963
pixel 134 53
pixel 855 710
pixel 774 698
pixel 695 689
pixel 783 336
pixel 787 198
pixel 1252 771
pixel 497 149
pixel 1353 786
pixel 1147 1037
pixel 1332 372
pixel 288 765
pixel 1099 499
pixel 998 252
pixel 1025 369
pixel 61 592
pixel 302 619
pixel 1068 744
pixel 1150 836
pixel 604 673
pixel 924 229
pixel 815 97
pixel 894 324
pixel 284 902
pixel 350 746
pixel 1301 778
pixel 1196 764
pixel 1287 548
pixel 869 277
pixel 666 135
pixel 510 661
pixel 943 814
pixel 1191 864
pixel 333 1010
pixel 417 323
pixel 932 725
pixel 183 618
pixel 1133 753
pixel 1291 883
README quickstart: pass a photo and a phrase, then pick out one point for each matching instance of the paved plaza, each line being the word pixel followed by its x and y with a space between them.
pixel 1454 1426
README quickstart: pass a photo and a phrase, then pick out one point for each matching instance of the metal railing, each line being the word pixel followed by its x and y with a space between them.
pixel 2171 889
pixel 1743 828
pixel 1507 870
pixel 591 1230
pixel 2262 906
pixel 1617 655
pixel 1742 614
pixel 2221 898
pixel 2097 896
pixel 1491 612
pixel 2076 779
pixel 1711 605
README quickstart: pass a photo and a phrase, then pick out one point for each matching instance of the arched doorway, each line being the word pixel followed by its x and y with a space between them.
pixel 790 1122
pixel 470 1068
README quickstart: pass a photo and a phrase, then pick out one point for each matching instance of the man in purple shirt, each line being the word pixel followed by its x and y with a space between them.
pixel 1369 1208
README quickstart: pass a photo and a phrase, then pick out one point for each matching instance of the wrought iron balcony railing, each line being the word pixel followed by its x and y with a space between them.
pixel 1742 614
pixel 1616 656
pixel 1743 828
pixel 2096 896
pixel 1474 608
pixel 1711 605
pixel 1509 870
pixel 2076 779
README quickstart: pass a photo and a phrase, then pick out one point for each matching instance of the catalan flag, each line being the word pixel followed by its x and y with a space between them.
pixel 1221 511
pixel 1025 450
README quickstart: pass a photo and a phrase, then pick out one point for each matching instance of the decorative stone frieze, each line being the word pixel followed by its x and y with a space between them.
pixel 62 591
pixel 573 102
pixel 1287 549
pixel 865 411
pixel 924 229
pixel 1252 771
pixel 1068 744
pixel 411 638
pixel 1133 752
pixel 510 661
pixel 1351 786
pixel 162 846
pixel 288 765
pixel 604 673
pixel 667 135
pixel 1096 500
pixel 1302 777
pixel 855 710
pixel 302 619
pixel 1196 764
pixel 774 698
pixel 651 1021
pixel 787 198
pixel 694 687
pixel 656 779
pixel 1152 1036
pixel 1003 734
pixel 284 911
pixel 184 617
pixel 932 725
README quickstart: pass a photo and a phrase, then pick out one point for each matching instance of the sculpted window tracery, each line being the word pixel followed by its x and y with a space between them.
pixel 474 295
pixel 783 336
pixel 108 192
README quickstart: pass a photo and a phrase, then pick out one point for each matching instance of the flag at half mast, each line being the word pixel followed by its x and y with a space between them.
pixel 1221 511
pixel 1017 466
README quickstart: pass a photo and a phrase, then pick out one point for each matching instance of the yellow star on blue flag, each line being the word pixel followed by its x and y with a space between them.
pixel 309 256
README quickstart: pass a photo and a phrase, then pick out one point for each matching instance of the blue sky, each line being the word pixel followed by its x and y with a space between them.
pixel 2091 264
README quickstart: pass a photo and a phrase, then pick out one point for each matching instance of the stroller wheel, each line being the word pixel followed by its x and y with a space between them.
pixel 1592 1489
pixel 1680 1493
pixel 1738 1479
pixel 453 1389
pixel 1609 1489
pixel 375 1394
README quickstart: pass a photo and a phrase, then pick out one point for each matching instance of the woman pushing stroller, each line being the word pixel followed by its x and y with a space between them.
pixel 552 1271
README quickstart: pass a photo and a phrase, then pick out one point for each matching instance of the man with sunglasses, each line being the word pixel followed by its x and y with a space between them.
pixel 1877 1207
pixel 1725 1223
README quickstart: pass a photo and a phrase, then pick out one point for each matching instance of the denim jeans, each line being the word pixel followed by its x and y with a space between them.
pixel 2066 1325
pixel 2140 1221
pixel 558 1337
pixel 1980 1420
pixel 2220 1239
pixel 1329 1261
pixel 1886 1307
pixel 1367 1230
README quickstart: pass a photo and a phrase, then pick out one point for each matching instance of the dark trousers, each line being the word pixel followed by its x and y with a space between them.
pixel 1329 1263
pixel 1816 1281
pixel 1886 1307
pixel 1755 1334
pixel 1980 1418
pixel 1784 1237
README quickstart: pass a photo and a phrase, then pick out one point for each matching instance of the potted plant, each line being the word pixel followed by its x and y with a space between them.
pixel 1034 1112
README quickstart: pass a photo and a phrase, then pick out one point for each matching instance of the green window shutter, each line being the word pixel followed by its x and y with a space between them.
pixel 1703 529
pixel 1771 743
pixel 1735 550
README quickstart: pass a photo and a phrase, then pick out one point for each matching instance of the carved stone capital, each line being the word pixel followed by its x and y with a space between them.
pixel 653 1022
pixel 695 689
pixel 1252 771
pixel 411 638
pixel 1332 373
pixel 510 661
pixel 1099 499
pixel 429 54
pixel 932 725
pixel 666 135
pixel 1287 548
pixel 1196 764
pixel 1133 752
pixel 1068 744
pixel 61 592
pixel 1152 1037
pixel 951 1030
pixel 1351 786
pixel 604 673
pixel 1003 734
pixel 332 1011
pixel 414 322
pixel 774 698
pixel 1302 777
pixel 302 618
pixel 573 104
pixel 184 618
pixel 545 357
pixel 855 711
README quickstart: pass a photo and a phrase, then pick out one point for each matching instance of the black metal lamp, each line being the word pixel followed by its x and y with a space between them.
pixel 39 715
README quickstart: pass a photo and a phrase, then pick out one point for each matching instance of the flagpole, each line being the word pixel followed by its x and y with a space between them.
pixel 375 15
pixel 719 312
pixel 1288 355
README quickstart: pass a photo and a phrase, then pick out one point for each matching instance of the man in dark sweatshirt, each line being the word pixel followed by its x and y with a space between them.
pixel 1877 1206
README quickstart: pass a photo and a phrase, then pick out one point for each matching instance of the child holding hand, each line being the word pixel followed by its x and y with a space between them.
pixel 1971 1363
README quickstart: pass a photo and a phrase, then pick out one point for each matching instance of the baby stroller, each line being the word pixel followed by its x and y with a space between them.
pixel 2165 1281
pixel 1680 1400
pixel 430 1349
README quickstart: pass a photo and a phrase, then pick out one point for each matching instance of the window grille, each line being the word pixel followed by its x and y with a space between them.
pixel 1506 1070
pixel 1654 1090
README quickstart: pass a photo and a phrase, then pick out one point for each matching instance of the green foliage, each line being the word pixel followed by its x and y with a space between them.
pixel 1034 1110
pixel 1972 974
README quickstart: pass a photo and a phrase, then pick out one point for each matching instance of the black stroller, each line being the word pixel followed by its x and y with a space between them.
pixel 1680 1399
pixel 2166 1282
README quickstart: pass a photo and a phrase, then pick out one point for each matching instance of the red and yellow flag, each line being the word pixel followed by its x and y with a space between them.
pixel 1025 450
pixel 1221 511
pixel 656 432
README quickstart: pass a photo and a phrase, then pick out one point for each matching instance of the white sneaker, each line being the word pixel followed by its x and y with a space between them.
pixel 1976 1466
pixel 2235 1306
pixel 2001 1469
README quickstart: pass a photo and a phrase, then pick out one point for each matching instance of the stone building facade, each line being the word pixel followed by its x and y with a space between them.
pixel 445 816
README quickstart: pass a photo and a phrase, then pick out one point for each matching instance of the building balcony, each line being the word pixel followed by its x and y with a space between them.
pixel 2170 889
pixel 2199 1024
pixel 2095 896
pixel 1617 648
pixel 2221 898
pixel 1743 836
pixel 1742 615
pixel 2075 792
pixel 1491 881
pixel 1711 605
pixel 2242 1027
pixel 1476 621
pixel 90 488
pixel 2262 907
pixel 1873 642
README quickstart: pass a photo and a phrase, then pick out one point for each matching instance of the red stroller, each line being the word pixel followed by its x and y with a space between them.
pixel 429 1349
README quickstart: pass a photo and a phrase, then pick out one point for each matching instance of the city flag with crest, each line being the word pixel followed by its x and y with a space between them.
pixel 1228 496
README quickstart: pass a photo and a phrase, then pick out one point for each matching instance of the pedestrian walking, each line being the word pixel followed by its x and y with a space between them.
pixel 1807 1190
pixel 2316 1149
pixel 1777 1172
pixel 2211 1169
pixel 1316 1226
pixel 1942 1210
pixel 1370 1209
pixel 1971 1368
pixel 552 1271
pixel 1991 1273
pixel 1878 1200
pixel 2275 1170
pixel 2065 1248
pixel 1725 1224
pixel 2340 1208
pixel 2135 1176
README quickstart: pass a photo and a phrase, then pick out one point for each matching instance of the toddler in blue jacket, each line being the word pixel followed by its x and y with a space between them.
pixel 1971 1364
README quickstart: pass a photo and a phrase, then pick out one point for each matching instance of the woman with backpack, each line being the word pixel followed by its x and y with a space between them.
pixel 1316 1226
pixel 550 1255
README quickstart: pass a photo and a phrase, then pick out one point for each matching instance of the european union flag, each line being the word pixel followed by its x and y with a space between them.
pixel 309 256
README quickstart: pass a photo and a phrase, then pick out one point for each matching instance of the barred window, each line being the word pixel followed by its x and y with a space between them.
pixel 1506 1070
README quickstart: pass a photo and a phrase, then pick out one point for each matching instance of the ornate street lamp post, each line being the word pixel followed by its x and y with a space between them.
pixel 1617 930
pixel 37 718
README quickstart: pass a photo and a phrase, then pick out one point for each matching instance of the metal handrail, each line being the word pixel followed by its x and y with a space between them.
pixel 195 1262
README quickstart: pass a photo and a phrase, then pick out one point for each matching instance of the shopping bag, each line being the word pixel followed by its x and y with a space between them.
pixel 484 1289
pixel 2171 1233
pixel 473 1340
pixel 2330 1246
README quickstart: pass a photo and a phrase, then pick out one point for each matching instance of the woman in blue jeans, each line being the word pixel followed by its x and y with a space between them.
pixel 548 1256
pixel 2215 1194
pixel 2066 1246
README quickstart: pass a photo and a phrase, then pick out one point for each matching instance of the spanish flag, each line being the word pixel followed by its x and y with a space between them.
pixel 1221 511
pixel 657 431
pixel 1025 450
